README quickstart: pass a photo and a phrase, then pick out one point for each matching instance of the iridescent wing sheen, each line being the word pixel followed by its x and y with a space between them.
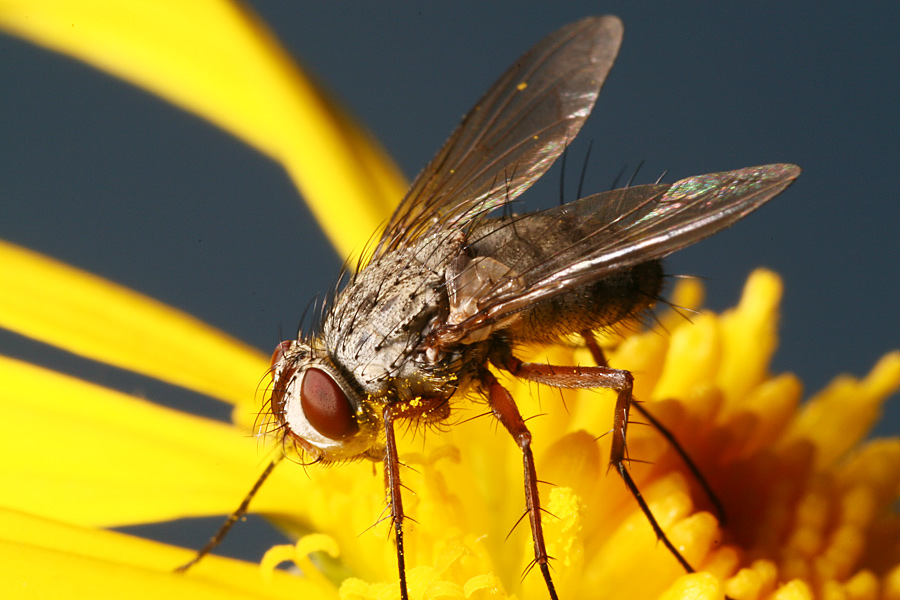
pixel 512 135
pixel 600 234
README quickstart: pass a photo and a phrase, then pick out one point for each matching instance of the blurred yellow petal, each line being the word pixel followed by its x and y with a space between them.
pixel 299 554
pixel 40 558
pixel 746 365
pixel 89 316
pixel 694 355
pixel 697 586
pixel 116 459
pixel 216 59
pixel 838 417
pixel 794 590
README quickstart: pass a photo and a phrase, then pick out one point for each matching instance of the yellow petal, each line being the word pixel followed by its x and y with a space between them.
pixel 118 460
pixel 216 59
pixel 862 586
pixel 794 590
pixel 745 364
pixel 299 555
pixel 692 360
pixel 40 558
pixel 696 586
pixel 839 416
pixel 91 317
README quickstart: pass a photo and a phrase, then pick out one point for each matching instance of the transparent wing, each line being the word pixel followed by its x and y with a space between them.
pixel 512 135
pixel 597 235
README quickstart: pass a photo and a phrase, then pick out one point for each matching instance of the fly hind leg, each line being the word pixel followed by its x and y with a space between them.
pixel 718 507
pixel 618 380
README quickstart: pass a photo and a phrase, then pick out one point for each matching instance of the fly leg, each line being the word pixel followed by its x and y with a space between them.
pixel 506 411
pixel 600 359
pixel 618 380
pixel 233 518
pixel 392 482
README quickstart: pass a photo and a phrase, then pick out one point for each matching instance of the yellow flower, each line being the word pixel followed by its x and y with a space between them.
pixel 810 506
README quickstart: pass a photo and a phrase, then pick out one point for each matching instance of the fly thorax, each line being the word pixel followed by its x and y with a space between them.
pixel 377 323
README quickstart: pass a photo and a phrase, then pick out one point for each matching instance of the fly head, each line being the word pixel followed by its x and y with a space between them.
pixel 317 408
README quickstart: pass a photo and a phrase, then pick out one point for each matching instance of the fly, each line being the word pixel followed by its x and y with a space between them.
pixel 450 290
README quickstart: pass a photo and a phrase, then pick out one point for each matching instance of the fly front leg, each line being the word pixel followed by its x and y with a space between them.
pixel 618 380
pixel 233 518
pixel 506 411
pixel 392 482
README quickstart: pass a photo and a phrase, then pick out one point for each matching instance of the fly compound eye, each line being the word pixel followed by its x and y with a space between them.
pixel 325 405
pixel 280 350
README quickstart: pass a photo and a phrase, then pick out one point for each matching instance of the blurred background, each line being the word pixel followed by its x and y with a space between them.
pixel 109 179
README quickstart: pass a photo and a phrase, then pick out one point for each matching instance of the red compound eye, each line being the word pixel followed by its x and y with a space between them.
pixel 280 350
pixel 326 406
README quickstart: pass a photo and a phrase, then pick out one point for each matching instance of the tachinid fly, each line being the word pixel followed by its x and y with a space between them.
pixel 451 289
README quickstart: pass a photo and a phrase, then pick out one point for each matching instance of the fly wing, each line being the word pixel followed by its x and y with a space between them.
pixel 597 235
pixel 512 135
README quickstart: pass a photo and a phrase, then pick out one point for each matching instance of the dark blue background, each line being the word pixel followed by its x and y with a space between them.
pixel 112 180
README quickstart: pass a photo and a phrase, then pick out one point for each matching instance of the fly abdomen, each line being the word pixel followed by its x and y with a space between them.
pixel 624 294
pixel 531 246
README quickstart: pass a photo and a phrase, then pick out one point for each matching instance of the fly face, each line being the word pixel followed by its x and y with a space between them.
pixel 316 407
pixel 450 290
